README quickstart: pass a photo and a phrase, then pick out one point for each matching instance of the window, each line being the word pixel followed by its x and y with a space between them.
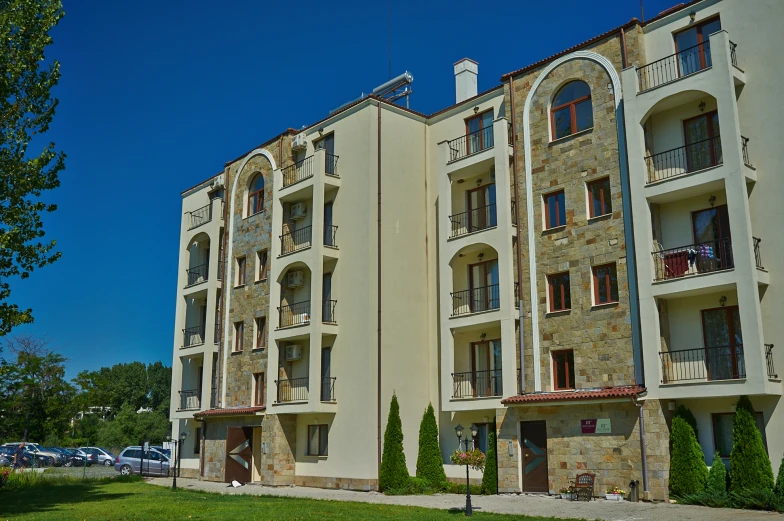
pixel 256 195
pixel 572 111
pixel 479 132
pixel 693 46
pixel 240 276
pixel 599 201
pixel 605 284
pixel 722 431
pixel 554 210
pixel 559 292
pixel 482 437
pixel 563 370
pixel 317 440
pixel 239 333
pixel 258 389
pixel 702 141
pixel 197 441
pixel 262 258
pixel 261 333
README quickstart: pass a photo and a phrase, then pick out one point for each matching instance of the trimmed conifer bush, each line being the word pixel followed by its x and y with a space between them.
pixel 430 464
pixel 685 413
pixel 717 477
pixel 688 471
pixel 779 488
pixel 490 476
pixel 393 473
pixel 750 467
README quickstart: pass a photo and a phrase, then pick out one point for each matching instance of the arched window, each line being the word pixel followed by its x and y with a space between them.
pixel 572 110
pixel 256 195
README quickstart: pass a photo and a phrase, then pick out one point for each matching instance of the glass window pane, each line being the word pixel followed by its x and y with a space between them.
pixel 570 92
pixel 313 440
pixel 601 285
pixel 561 202
pixel 562 123
pixel 323 437
pixel 570 361
pixel 584 115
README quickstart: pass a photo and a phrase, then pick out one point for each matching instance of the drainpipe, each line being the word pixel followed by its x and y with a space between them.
pixel 224 247
pixel 519 231
pixel 378 260
pixel 643 447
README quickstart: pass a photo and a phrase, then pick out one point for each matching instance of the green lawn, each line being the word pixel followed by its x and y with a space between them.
pixel 122 500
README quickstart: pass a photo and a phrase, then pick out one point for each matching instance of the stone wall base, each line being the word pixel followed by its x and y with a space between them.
pixel 364 485
pixel 189 473
pixel 461 481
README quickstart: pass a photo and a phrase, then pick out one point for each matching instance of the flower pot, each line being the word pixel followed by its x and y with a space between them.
pixel 568 495
pixel 614 497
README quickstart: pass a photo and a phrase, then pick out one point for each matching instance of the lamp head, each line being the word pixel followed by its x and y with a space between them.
pixel 459 431
pixel 183 435
pixel 474 430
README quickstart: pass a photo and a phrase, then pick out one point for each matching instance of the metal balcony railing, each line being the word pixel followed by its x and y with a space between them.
pixel 477 384
pixel 670 68
pixel 193 336
pixel 328 311
pixel 294 315
pixel 327 388
pixel 190 400
pixel 769 361
pixel 745 146
pixel 331 164
pixel 475 300
pixel 471 143
pixel 733 54
pixel 757 254
pixel 292 390
pixel 297 172
pixel 474 220
pixel 296 240
pixel 693 259
pixel 682 160
pixel 201 216
pixel 330 236
pixel 197 274
pixel 707 364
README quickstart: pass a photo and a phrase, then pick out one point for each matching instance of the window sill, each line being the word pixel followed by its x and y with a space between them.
pixel 316 457
pixel 253 215
pixel 570 136
pixel 554 229
pixel 258 349
pixel 599 218
pixel 558 313
pixel 605 305
pixel 259 281
pixel 239 286
pixel 236 352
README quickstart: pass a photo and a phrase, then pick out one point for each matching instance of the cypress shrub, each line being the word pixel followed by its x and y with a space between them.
pixel 717 477
pixel 750 467
pixel 490 476
pixel 779 488
pixel 393 473
pixel 430 465
pixel 688 472
pixel 686 414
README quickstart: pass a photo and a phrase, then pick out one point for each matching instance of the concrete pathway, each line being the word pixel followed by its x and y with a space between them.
pixel 532 505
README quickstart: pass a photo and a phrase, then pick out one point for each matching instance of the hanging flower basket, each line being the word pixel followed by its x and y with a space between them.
pixel 473 458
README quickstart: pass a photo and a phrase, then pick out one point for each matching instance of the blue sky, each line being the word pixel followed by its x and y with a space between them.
pixel 157 96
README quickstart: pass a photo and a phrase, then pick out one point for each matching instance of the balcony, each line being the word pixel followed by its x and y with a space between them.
pixel 328 389
pixel 328 315
pixel 330 236
pixel 200 216
pixel 769 361
pixel 683 160
pixel 193 336
pixel 298 172
pixel 704 364
pixel 294 315
pixel 292 390
pixel 331 164
pixel 692 260
pixel 757 254
pixel 475 300
pixel 197 274
pixel 477 384
pixel 190 400
pixel 296 240
pixel 470 144
pixel 676 66
pixel 473 221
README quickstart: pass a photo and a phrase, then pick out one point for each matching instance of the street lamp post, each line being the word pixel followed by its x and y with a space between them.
pixel 179 454
pixel 474 431
pixel 174 456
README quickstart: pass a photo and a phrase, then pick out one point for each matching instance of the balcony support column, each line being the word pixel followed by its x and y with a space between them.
pixel 317 279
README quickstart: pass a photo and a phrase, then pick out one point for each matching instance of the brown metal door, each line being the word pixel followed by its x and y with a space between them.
pixel 534 449
pixel 239 453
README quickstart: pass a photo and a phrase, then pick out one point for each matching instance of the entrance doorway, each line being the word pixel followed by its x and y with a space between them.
pixel 239 454
pixel 534 453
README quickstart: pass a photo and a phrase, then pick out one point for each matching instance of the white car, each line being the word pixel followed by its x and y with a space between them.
pixel 104 457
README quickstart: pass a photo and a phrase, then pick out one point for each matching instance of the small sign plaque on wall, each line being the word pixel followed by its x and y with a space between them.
pixel 596 426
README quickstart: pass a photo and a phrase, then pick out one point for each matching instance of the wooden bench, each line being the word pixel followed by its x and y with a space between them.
pixel 583 487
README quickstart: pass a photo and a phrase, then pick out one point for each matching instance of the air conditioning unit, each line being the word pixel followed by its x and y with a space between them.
pixel 299 142
pixel 295 279
pixel 293 353
pixel 298 211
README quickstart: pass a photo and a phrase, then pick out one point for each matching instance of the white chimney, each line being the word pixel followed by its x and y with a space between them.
pixel 466 72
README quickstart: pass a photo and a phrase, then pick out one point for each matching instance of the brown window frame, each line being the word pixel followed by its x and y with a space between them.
pixel 259 393
pixel 731 333
pixel 567 366
pixel 547 224
pixel 602 202
pixel 259 207
pixel 711 135
pixel 565 288
pixel 241 266
pixel 700 40
pixel 572 105
pixel 262 256
pixel 594 272
pixel 323 428
pixel 239 336
pixel 261 338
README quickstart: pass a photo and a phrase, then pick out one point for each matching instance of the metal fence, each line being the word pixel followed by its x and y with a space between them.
pixel 201 216
pixel 193 336
pixel 197 274
pixel 475 300
pixel 471 143
pixel 473 220
pixel 292 390
pixel 330 236
pixel 190 400
pixel 331 164
pixel 711 363
pixel 477 384
pixel 328 311
pixel 670 68
pixel 297 172
pixel 296 240
pixel 693 259
pixel 328 389
pixel 769 361
pixel 695 156
pixel 295 314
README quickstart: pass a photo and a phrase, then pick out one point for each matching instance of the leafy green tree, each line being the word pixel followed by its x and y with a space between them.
pixel 750 467
pixel 159 379
pixel 87 428
pixel 688 472
pixel 685 413
pixel 430 465
pixel 717 477
pixel 26 110
pixel 393 473
pixel 778 490
pixel 490 476
pixel 131 428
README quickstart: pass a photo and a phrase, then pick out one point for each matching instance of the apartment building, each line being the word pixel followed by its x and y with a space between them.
pixel 551 258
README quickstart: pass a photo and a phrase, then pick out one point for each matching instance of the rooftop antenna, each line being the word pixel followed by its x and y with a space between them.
pixel 642 12
pixel 389 38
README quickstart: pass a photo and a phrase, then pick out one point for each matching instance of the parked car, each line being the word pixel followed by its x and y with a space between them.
pixel 104 456
pixel 131 459
pixel 165 452
pixel 74 458
pixel 29 458
pixel 54 457
pixel 5 461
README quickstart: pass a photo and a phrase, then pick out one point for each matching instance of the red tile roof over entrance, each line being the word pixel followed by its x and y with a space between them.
pixel 578 394
pixel 232 411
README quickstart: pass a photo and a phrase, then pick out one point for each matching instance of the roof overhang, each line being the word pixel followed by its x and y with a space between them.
pixel 577 396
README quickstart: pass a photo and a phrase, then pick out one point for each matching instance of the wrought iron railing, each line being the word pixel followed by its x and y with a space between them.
pixel 708 364
pixel 328 311
pixel 475 300
pixel 190 400
pixel 197 274
pixel 682 160
pixel 213 398
pixel 670 68
pixel 471 143
pixel 201 216
pixel 193 336
pixel 331 164
pixel 295 240
pixel 330 236
pixel 693 259
pixel 745 146
pixel 473 220
pixel 292 390
pixel 769 361
pixel 477 384
pixel 757 254
pixel 733 54
pixel 297 172
pixel 327 388
pixel 294 314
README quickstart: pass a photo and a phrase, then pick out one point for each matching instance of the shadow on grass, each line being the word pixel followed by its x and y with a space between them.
pixel 43 497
